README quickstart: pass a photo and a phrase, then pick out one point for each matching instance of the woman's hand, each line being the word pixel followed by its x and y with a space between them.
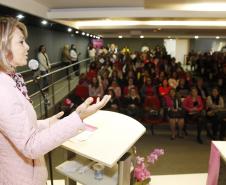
pixel 55 118
pixel 86 109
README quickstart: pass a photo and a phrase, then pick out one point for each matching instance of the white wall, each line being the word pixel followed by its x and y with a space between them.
pixel 182 49
pixel 170 45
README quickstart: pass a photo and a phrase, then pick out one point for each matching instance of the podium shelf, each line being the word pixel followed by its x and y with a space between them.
pixel 72 169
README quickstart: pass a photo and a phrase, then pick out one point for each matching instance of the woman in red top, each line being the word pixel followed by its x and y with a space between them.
pixel 193 106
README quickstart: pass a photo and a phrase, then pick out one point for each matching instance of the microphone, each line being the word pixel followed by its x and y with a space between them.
pixel 34 66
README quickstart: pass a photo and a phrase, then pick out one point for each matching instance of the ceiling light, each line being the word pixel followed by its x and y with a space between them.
pixel 20 16
pixel 217 37
pixel 77 32
pixel 196 37
pixel 87 34
pixel 104 23
pixel 169 37
pixel 83 33
pixel 91 35
pixel 120 36
pixel 203 6
pixel 69 29
pixel 141 36
pixel 44 22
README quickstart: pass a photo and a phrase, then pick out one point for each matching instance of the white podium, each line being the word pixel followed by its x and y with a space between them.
pixel 115 135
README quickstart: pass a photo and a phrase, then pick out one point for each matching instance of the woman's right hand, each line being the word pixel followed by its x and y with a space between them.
pixel 86 109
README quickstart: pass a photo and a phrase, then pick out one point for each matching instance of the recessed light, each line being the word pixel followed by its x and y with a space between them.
pixel 20 16
pixel 120 36
pixel 87 34
pixel 77 32
pixel 44 22
pixel 141 36
pixel 83 33
pixel 69 29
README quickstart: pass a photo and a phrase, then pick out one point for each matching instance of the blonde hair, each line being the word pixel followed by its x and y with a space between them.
pixel 7 27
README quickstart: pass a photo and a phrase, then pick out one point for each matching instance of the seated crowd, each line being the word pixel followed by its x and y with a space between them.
pixel 150 85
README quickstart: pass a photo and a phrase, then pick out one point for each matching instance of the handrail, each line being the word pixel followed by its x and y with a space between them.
pixel 55 95
pixel 58 70
pixel 29 70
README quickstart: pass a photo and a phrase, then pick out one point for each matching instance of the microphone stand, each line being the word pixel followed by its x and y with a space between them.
pixel 36 80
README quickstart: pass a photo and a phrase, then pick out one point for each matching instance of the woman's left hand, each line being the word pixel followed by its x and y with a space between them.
pixel 87 108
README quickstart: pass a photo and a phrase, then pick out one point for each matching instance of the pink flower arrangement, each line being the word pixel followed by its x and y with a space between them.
pixel 141 172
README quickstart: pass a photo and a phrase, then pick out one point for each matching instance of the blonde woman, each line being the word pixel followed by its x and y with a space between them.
pixel 24 140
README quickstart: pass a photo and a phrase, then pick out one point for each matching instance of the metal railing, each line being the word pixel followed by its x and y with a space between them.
pixel 61 82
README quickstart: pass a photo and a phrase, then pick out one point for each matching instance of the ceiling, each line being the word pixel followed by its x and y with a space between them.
pixel 132 18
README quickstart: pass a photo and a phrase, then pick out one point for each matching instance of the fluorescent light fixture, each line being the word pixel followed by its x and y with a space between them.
pixel 20 16
pixel 83 33
pixel 106 23
pixel 44 22
pixel 69 29
pixel 196 37
pixel 115 23
pixel 216 6
pixel 141 36
pixel 217 37
pixel 120 36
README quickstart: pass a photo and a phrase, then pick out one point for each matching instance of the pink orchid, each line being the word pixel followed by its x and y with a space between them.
pixel 141 171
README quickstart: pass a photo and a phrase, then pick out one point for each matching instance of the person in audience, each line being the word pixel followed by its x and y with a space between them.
pixel 81 90
pixel 117 89
pixel 193 106
pixel 24 140
pixel 175 113
pixel 92 53
pixel 130 85
pixel 164 89
pixel 96 88
pixel 173 80
pixel 182 88
pixel 66 58
pixel 74 59
pixel 114 103
pixel 216 113
pixel 133 103
pixel 44 62
pixel 202 91
pixel 147 89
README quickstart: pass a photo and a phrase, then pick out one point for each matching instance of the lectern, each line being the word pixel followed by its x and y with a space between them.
pixel 108 144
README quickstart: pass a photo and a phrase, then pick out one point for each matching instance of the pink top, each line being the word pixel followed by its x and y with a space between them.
pixel 24 141
pixel 188 103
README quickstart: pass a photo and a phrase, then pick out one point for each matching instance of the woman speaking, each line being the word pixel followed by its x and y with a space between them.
pixel 24 140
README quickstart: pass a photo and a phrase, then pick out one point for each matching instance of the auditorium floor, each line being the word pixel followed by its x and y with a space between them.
pixel 182 156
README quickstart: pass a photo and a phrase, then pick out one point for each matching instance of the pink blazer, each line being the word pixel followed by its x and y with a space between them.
pixel 23 140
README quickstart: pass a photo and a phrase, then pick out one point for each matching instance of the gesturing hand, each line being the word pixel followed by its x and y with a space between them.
pixel 86 109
